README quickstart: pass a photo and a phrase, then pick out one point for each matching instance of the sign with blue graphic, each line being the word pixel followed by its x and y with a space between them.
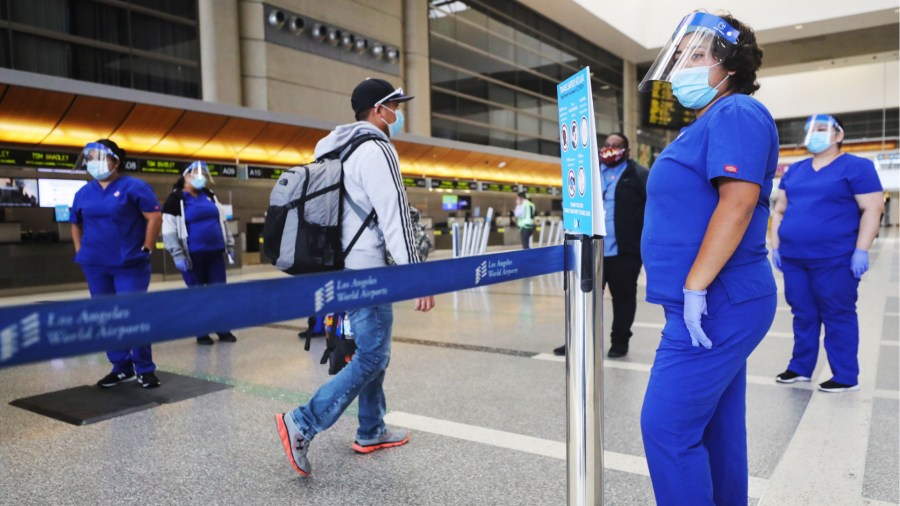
pixel 582 196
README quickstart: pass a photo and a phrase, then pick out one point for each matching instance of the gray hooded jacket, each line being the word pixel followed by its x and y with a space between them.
pixel 372 181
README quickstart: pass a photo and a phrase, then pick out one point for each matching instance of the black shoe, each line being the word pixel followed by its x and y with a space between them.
pixel 560 352
pixel 148 380
pixel 114 378
pixel 227 337
pixel 617 352
pixel 790 376
pixel 834 387
pixel 205 340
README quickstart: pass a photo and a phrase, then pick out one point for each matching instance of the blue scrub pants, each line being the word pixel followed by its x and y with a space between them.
pixel 207 268
pixel 694 417
pixel 823 291
pixel 104 280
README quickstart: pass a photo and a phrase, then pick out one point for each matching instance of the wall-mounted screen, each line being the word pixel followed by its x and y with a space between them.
pixel 58 192
pixel 464 203
pixel 15 192
pixel 556 205
pixel 450 202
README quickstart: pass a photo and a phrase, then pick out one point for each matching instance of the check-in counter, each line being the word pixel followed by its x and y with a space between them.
pixel 48 262
pixel 10 232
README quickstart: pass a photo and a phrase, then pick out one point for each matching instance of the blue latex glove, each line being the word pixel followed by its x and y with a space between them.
pixel 181 265
pixel 776 258
pixel 694 306
pixel 859 263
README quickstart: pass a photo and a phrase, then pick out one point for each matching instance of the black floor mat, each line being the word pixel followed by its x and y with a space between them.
pixel 85 405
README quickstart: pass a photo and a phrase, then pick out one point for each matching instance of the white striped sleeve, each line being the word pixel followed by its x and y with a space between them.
pixel 384 187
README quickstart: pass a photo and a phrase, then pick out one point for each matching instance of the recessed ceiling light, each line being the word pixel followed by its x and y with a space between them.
pixel 798 27
pixel 501 164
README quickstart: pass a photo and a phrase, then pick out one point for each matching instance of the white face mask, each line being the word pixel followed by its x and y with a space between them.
pixel 396 127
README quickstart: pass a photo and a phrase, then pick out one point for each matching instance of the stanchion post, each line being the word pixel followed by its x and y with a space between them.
pixel 584 370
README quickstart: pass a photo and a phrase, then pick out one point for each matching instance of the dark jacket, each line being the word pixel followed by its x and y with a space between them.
pixel 631 197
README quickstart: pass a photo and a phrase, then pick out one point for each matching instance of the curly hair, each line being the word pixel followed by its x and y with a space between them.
pixel 744 59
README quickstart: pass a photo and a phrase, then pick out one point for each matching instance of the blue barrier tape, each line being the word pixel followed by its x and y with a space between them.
pixel 36 332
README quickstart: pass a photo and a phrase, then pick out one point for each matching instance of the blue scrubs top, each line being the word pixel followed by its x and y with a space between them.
pixel 736 138
pixel 610 176
pixel 112 220
pixel 203 227
pixel 822 215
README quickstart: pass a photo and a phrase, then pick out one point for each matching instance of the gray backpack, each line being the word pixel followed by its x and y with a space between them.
pixel 302 232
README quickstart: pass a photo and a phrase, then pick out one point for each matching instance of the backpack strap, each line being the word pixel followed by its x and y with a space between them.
pixel 359 232
pixel 347 149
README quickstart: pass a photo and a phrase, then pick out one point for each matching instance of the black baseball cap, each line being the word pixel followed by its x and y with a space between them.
pixel 371 92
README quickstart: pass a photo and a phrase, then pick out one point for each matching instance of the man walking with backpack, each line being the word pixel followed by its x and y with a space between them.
pixel 372 182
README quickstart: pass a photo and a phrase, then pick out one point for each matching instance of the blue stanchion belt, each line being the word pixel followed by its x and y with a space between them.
pixel 36 332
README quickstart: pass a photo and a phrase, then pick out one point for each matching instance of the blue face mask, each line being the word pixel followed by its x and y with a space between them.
pixel 691 87
pixel 818 142
pixel 199 182
pixel 396 127
pixel 98 169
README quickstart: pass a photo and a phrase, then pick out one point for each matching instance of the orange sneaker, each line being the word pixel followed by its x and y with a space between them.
pixel 389 439
pixel 295 445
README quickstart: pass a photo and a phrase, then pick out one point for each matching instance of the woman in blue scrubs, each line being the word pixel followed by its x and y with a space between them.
pixel 196 234
pixel 704 251
pixel 824 222
pixel 115 222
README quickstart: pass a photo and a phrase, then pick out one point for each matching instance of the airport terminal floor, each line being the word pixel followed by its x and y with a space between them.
pixel 476 382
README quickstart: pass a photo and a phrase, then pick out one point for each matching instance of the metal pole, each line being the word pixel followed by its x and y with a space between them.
pixel 584 370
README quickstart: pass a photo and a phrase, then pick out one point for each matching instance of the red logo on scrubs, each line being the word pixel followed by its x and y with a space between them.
pixel 731 168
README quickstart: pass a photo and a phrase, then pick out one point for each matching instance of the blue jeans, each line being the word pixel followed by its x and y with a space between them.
pixel 362 377
pixel 104 280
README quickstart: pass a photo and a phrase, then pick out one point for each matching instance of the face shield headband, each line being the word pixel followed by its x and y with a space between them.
pixel 820 129
pixel 94 152
pixel 196 171
pixel 701 40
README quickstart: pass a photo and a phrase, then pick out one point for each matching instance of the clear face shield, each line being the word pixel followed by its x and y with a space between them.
pixel 820 133
pixel 197 173
pixel 701 41
pixel 98 160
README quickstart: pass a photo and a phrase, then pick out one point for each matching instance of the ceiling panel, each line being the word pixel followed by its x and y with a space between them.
pixel 144 127
pixel 192 131
pixel 231 139
pixel 29 115
pixel 52 119
pixel 270 141
pixel 88 119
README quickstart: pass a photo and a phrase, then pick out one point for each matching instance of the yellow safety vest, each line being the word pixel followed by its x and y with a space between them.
pixel 527 219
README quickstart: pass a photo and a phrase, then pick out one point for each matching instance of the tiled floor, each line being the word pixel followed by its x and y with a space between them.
pixel 487 403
